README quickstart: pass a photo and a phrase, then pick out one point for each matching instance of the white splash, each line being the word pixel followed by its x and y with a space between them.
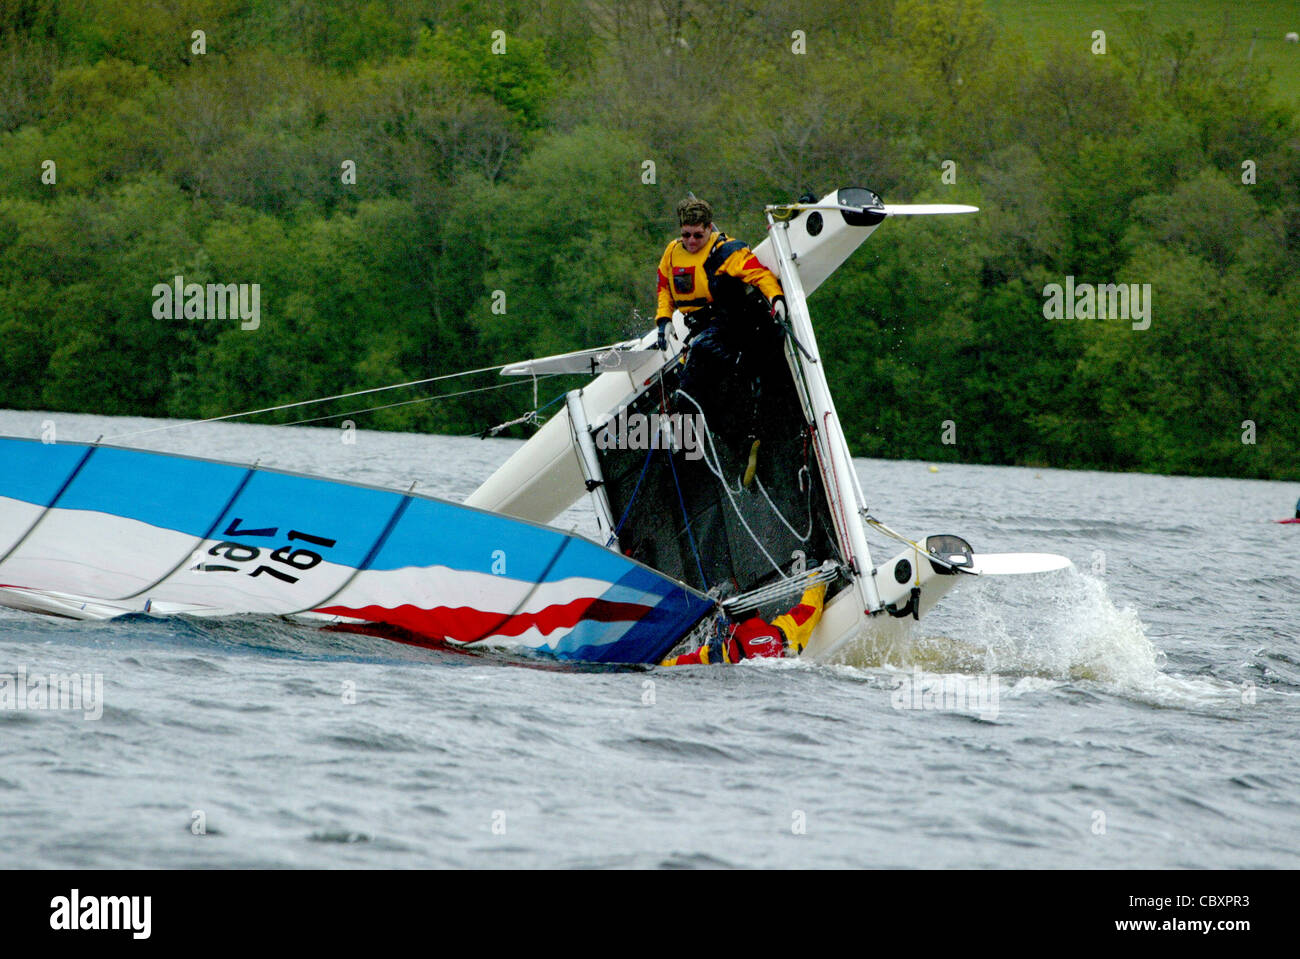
pixel 1053 629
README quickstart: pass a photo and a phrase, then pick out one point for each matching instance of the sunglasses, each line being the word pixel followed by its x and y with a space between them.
pixel 689 235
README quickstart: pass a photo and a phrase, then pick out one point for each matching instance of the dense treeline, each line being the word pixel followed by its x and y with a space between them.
pixel 392 184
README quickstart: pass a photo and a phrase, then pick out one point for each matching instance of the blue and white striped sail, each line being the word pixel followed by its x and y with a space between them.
pixel 101 530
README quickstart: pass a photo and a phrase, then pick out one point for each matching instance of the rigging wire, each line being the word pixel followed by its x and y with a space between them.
pixel 419 399
pixel 636 489
pixel 321 399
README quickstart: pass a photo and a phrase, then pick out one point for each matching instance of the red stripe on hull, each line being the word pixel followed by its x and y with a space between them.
pixel 465 624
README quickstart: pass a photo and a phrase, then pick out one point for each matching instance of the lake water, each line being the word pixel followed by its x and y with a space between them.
pixel 1138 711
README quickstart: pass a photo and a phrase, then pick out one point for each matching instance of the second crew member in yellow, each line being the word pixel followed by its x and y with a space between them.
pixel 787 635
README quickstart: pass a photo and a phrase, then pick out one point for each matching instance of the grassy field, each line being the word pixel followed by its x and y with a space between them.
pixel 1257 28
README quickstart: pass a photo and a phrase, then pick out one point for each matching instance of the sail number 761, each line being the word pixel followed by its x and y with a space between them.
pixel 294 557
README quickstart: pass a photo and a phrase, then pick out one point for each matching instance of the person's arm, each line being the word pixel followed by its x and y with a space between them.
pixel 664 294
pixel 797 624
pixel 664 307
pixel 743 265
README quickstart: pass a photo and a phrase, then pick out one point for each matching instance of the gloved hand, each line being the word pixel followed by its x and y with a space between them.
pixel 779 311
pixel 663 322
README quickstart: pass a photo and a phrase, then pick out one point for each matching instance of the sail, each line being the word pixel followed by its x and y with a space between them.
pixel 122 530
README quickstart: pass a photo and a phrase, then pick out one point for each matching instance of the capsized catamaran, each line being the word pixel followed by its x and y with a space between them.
pixel 804 519
pixel 93 531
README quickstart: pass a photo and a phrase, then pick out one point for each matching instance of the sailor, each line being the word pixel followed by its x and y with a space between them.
pixel 709 277
pixel 706 268
pixel 755 638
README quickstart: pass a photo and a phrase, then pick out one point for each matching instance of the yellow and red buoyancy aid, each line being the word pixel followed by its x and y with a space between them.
pixel 787 635
pixel 685 282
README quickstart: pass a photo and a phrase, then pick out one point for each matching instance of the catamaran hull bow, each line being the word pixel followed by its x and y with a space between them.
pixel 704 524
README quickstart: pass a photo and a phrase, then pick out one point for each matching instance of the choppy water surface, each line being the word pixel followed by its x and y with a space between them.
pixel 1139 711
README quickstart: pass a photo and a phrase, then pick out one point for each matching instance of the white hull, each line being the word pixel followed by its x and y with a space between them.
pixel 550 472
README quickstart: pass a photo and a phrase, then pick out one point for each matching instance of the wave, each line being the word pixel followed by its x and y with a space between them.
pixel 1061 628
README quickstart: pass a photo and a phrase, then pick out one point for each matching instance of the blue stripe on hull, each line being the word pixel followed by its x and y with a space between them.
pixel 172 492
pixel 193 496
pixel 34 472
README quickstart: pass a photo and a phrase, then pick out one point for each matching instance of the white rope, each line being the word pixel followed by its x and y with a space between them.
pixel 715 467
pixel 530 417
pixel 718 473
pixel 828 571
pixel 322 399
pixel 793 532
